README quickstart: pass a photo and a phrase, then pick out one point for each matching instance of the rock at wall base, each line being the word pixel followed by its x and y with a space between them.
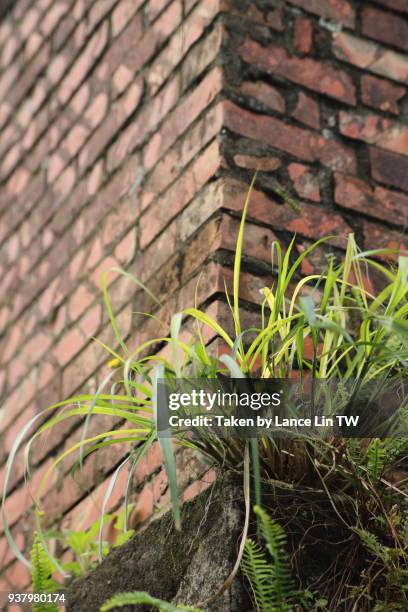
pixel 184 567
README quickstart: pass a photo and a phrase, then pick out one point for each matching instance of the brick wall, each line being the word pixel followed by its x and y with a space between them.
pixel 129 130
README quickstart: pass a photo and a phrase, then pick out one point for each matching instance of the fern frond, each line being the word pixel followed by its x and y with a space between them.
pixel 133 599
pixel 41 575
pixel 259 573
pixel 395 448
pixel 376 458
pixel 284 589
pixel 373 545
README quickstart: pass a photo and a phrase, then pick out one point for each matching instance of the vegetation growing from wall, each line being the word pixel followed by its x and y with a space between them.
pixel 332 325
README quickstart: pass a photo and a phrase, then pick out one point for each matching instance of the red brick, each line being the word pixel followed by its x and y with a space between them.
pixel 123 13
pixel 296 141
pixel 180 43
pixel 144 507
pixel 155 7
pixel 305 182
pixel 51 17
pixel 368 55
pixel 377 237
pixel 269 96
pixel 75 139
pixel 179 194
pixel 377 130
pixel 124 251
pixel 377 202
pixel 398 5
pixel 35 348
pixel 34 42
pixel 197 61
pixel 84 63
pixel 263 164
pixel 118 114
pixel 16 576
pixel 95 178
pixel 97 110
pixel 122 78
pixel 183 116
pixel 389 168
pixel 90 322
pixel 355 194
pixel 47 373
pixel 79 301
pixel 29 21
pixel 64 183
pixel 11 344
pixel 80 99
pixel 258 240
pixel 310 73
pixel 341 11
pixel 303 35
pixel 381 94
pixel 307 111
pixel 70 345
pixel 385 27
pixel 175 160
pixel 312 221
pixel 9 50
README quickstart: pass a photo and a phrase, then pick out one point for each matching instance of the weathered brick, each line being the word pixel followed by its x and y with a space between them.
pixel 97 110
pixel 180 43
pixel 310 73
pixel 91 321
pixel 123 13
pixel 305 182
pixel 9 50
pixel 69 346
pixel 155 7
pixel 307 111
pixel 354 194
pixel 174 162
pixel 84 63
pixel 312 221
pixel 341 11
pixel 151 223
pixel 268 95
pixel 79 301
pixel 53 16
pixel 263 164
pixel 303 35
pixel 389 168
pixel 200 57
pixel 368 55
pixel 377 237
pixel 183 116
pixel 374 129
pixel 385 27
pixel 122 78
pixel 398 5
pixel 119 113
pixel 381 94
pixel 296 141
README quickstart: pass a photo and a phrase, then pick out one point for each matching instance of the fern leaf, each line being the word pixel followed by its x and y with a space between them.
pixel 284 589
pixel 133 599
pixel 260 575
pixel 373 545
pixel 41 575
pixel 376 458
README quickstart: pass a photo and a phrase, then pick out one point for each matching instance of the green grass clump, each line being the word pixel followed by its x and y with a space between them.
pixel 329 326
